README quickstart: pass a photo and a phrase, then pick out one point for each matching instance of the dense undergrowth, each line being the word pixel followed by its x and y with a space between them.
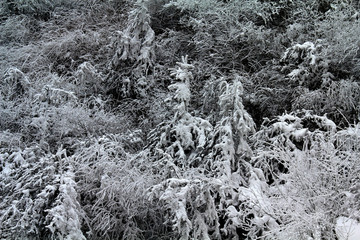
pixel 179 119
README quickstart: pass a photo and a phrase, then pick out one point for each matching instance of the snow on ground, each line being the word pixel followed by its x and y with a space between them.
pixel 347 229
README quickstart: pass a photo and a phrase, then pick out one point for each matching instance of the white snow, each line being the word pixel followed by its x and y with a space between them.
pixel 289 117
pixel 299 134
pixel 347 229
pixel 7 169
pixel 284 127
pixel 328 124
pixel 182 92
pixel 295 73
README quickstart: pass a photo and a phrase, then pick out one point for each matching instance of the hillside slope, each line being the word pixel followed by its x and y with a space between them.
pixel 179 119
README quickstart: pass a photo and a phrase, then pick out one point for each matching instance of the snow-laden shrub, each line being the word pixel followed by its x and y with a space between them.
pixel 113 190
pixel 179 148
pixel 295 131
pixel 312 85
pixel 184 139
pixel 37 8
pixel 185 136
pixel 66 215
pixel 193 213
pixel 55 96
pixel 348 138
pixel 15 93
pixel 336 23
pixel 10 141
pixel 339 31
pixel 33 190
pixel 51 115
pixel 232 111
pixel 232 130
pixel 40 9
pixel 226 35
pixel 14 84
pixel 16 29
pixel 202 170
pixel 318 188
pixel 303 79
pixel 310 178
pixel 57 117
pixel 133 49
pixel 136 43
pixel 305 66
pixel 338 101
pixel 69 49
pixel 87 80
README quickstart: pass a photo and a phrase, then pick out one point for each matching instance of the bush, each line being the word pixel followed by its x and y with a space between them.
pixel 113 190
pixel 39 9
pixel 34 187
pixel 201 166
pixel 309 174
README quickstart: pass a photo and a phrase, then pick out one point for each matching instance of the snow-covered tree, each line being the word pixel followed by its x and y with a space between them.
pixel 136 42
pixel 205 168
